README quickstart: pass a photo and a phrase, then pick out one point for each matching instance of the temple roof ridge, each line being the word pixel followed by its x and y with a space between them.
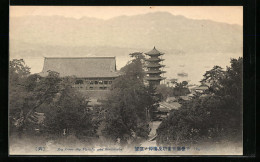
pixel 82 67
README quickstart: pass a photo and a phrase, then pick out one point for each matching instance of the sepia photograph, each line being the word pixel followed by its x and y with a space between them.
pixel 125 80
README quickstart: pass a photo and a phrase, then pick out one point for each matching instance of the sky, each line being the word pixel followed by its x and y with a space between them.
pixel 226 14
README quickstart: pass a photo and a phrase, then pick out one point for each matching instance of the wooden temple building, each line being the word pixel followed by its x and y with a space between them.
pixel 91 73
pixel 154 67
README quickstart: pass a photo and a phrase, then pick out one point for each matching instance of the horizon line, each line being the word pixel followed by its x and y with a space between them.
pixel 102 19
pixel 110 57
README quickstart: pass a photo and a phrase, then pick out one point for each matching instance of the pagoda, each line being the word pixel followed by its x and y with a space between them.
pixel 154 67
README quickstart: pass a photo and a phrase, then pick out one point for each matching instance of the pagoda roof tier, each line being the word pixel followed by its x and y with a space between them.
pixel 154 52
pixel 155 78
pixel 154 65
pixel 154 59
pixel 154 72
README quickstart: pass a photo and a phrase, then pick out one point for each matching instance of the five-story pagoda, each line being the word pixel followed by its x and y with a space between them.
pixel 154 67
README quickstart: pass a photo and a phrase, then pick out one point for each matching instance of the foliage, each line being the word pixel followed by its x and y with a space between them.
pixel 129 105
pixel 17 71
pixel 135 68
pixel 181 89
pixel 164 91
pixel 212 115
pixel 63 106
pixel 69 112
pixel 212 79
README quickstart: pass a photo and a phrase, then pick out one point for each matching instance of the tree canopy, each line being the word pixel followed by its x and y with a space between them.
pixel 212 115
pixel 129 105
pixel 135 68
pixel 63 107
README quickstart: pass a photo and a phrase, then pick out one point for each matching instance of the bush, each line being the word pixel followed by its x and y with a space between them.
pixel 164 91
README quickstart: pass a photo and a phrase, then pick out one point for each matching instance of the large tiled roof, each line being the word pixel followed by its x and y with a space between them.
pixel 81 67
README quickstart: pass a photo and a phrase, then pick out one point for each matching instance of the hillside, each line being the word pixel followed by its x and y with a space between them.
pixel 187 43
pixel 141 31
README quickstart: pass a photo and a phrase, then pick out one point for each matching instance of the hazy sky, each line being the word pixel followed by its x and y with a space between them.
pixel 227 14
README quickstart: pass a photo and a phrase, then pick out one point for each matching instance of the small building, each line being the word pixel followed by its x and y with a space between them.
pixel 91 73
pixel 201 88
pixel 198 89
pixel 165 108
pixel 171 99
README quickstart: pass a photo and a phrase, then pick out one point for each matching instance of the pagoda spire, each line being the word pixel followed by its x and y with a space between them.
pixel 153 67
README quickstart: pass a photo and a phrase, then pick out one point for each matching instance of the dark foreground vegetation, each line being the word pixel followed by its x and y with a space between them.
pixel 46 106
pixel 49 107
pixel 214 115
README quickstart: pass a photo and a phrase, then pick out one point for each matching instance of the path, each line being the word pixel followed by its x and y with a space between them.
pixel 151 141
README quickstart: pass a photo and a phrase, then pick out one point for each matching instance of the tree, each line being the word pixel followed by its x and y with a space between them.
pixel 135 68
pixel 216 114
pixel 233 80
pixel 164 91
pixel 181 89
pixel 212 79
pixel 129 105
pixel 17 71
pixel 52 95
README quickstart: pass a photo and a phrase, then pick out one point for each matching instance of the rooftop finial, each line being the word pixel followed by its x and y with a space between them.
pixel 154 47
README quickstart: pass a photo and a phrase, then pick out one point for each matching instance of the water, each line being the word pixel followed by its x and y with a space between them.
pixel 194 64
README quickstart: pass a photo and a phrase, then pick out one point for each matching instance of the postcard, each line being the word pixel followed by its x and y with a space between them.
pixel 126 80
